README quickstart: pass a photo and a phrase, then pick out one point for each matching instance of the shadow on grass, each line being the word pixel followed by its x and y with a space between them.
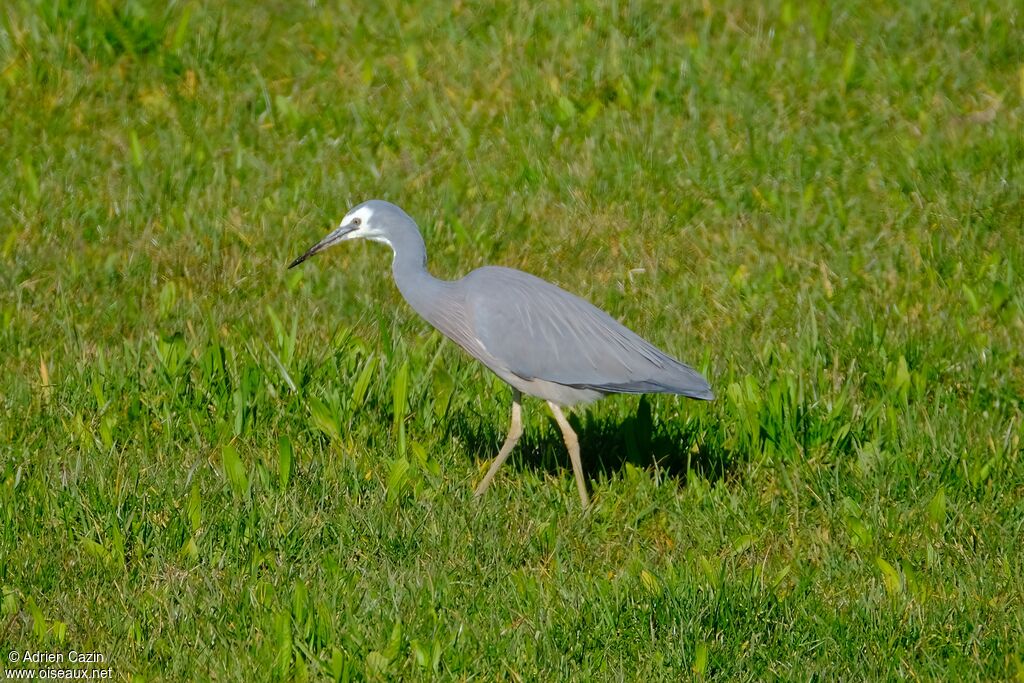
pixel 607 444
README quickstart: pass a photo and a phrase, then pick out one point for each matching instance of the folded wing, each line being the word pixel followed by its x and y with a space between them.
pixel 540 331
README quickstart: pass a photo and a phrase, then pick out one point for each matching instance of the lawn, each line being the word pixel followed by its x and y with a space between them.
pixel 212 467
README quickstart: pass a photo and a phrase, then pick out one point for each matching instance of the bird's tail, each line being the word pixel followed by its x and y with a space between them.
pixel 680 379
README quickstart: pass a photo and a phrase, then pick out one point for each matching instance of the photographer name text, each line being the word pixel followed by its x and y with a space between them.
pixel 70 657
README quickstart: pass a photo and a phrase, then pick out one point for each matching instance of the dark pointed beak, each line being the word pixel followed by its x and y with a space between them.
pixel 333 238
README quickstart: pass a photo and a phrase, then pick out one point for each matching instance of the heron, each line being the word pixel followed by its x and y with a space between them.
pixel 538 338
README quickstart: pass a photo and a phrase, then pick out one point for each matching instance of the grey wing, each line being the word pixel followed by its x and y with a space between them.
pixel 540 331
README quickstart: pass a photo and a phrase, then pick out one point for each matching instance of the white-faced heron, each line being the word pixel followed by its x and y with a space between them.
pixel 537 337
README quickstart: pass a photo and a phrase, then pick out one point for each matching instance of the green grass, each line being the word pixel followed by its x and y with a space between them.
pixel 213 467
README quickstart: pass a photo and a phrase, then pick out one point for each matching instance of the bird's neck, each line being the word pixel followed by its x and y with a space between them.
pixel 424 292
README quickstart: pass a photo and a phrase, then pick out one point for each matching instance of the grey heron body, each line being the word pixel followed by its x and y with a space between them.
pixel 540 339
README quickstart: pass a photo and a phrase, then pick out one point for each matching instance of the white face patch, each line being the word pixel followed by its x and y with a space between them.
pixel 366 229
pixel 363 213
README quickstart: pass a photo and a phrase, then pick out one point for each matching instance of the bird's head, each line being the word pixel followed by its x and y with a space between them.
pixel 375 220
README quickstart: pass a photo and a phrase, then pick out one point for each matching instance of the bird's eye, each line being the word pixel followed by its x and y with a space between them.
pixel 357 221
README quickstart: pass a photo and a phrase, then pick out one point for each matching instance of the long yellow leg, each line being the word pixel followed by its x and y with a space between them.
pixel 573 445
pixel 515 430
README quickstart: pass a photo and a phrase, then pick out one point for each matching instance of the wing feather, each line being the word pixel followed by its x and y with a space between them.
pixel 540 331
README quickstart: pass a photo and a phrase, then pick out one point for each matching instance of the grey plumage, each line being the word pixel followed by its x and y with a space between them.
pixel 562 338
pixel 537 337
